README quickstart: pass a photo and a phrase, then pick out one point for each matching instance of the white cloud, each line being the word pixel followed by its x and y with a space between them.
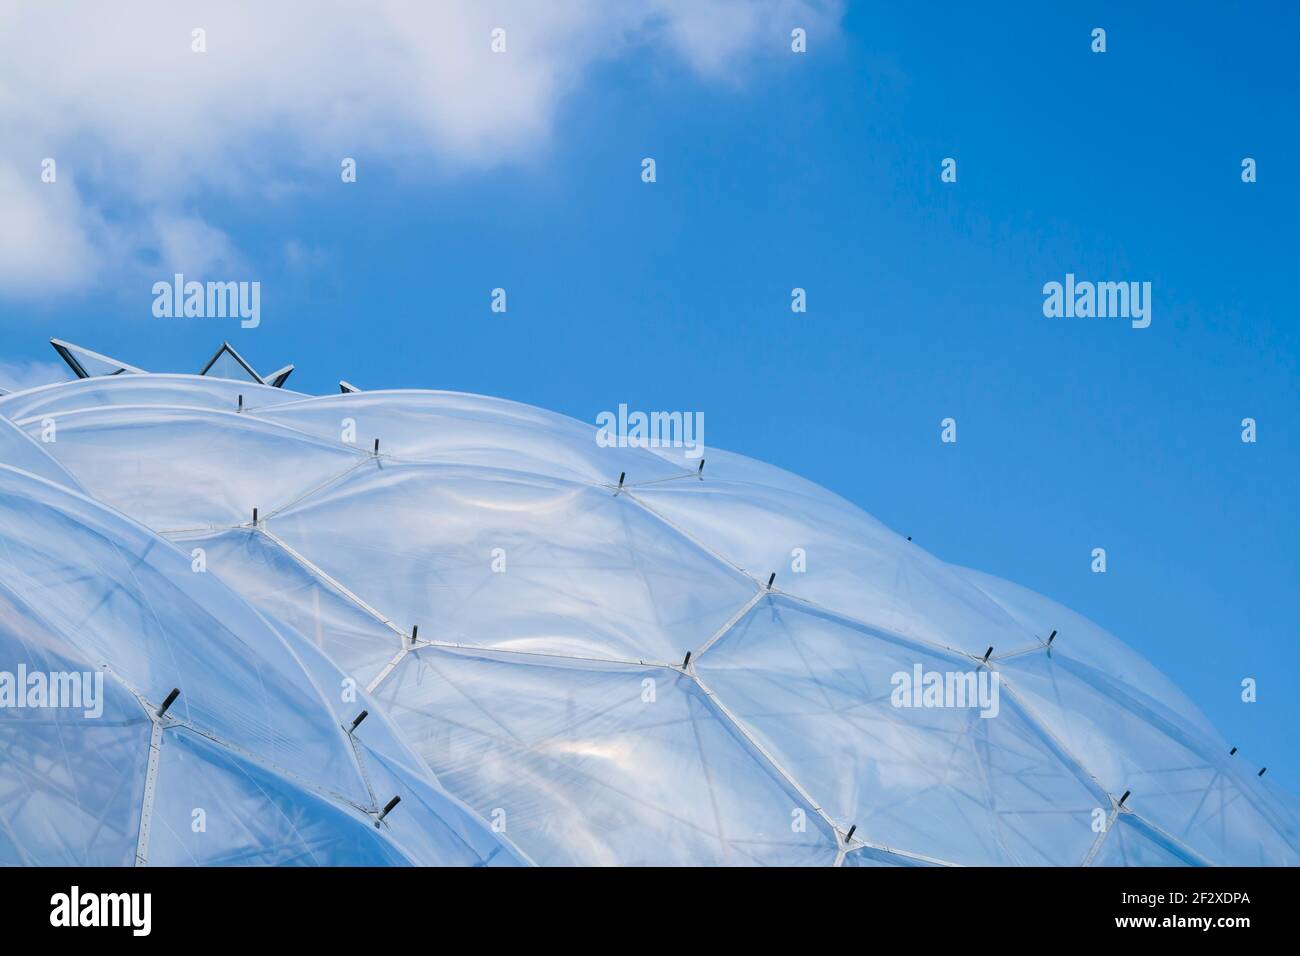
pixel 46 232
pixel 285 90
pixel 187 244
pixel 18 375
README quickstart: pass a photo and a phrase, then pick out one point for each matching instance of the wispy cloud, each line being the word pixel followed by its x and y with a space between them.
pixel 140 124
pixel 18 375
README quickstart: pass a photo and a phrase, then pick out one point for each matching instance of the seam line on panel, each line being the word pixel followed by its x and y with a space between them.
pixel 730 623
pixel 264 763
pixel 688 536
pixel 334 583
pixel 150 786
pixel 1095 848
pixel 319 487
pixel 800 789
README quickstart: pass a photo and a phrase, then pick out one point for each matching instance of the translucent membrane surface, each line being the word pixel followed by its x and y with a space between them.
pixel 546 710
pixel 19 450
pixel 88 595
pixel 587 763
pixel 156 390
pixel 474 430
pixel 215 809
pixel 288 593
pixel 765 520
pixel 514 561
pixel 70 786
pixel 179 468
pixel 942 782
pixel 1130 842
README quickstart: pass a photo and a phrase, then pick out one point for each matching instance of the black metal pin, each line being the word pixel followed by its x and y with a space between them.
pixel 621 476
pixel 388 807
pixel 1261 771
pixel 852 830
pixel 241 404
pixel 254 516
pixel 1232 752
pixel 700 471
pixel 686 661
pixel 1051 637
pixel 171 699
pixel 1125 797
pixel 415 632
pixel 770 578
pixel 376 446
pixel 357 723
pixel 988 653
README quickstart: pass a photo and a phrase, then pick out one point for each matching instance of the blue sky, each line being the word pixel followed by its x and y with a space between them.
pixel 924 298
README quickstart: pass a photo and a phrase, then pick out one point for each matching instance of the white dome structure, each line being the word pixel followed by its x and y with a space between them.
pixel 566 654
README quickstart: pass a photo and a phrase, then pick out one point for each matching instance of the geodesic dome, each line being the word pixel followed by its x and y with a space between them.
pixel 558 665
